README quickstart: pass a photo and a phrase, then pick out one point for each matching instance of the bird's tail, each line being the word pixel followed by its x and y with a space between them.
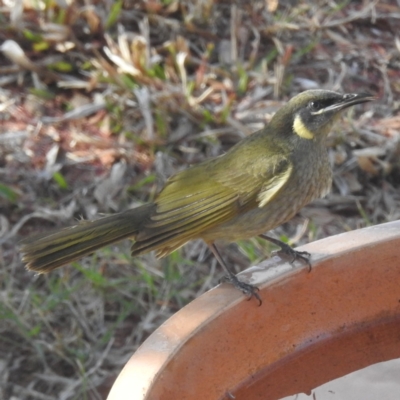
pixel 52 250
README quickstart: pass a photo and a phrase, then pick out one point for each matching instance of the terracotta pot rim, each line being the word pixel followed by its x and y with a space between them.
pixel 349 295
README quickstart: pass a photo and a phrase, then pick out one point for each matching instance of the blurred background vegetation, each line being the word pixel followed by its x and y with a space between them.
pixel 101 101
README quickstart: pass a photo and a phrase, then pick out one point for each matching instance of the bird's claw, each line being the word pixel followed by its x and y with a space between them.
pixel 288 253
pixel 246 288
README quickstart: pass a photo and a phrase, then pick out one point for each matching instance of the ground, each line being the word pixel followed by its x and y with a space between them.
pixel 102 101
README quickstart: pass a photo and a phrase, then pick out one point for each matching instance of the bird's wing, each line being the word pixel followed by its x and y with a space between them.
pixel 204 196
pixel 259 181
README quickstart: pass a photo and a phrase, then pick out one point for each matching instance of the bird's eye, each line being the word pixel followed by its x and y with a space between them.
pixel 314 105
pixel 317 105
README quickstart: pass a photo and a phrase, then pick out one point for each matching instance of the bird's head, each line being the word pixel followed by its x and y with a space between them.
pixel 312 113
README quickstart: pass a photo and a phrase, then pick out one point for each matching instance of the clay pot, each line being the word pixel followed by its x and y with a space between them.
pixel 311 328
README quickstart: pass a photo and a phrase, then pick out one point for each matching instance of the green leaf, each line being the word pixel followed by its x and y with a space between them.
pixel 306 49
pixel 148 179
pixel 128 82
pixel 114 14
pixel 94 276
pixel 61 66
pixel 7 193
pixel 34 331
pixel 160 123
pixel 32 36
pixel 208 116
pixel 243 80
pixel 271 55
pixel 60 180
pixel 41 46
pixel 157 71
pixel 43 94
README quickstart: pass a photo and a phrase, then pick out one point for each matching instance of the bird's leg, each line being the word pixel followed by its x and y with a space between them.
pixel 286 250
pixel 249 290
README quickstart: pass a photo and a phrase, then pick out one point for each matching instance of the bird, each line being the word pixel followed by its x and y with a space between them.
pixel 256 186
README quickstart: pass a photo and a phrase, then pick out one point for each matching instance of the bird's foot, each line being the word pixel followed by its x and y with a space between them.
pixel 249 290
pixel 288 253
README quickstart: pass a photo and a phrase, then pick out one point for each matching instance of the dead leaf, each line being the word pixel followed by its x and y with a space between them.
pixel 272 5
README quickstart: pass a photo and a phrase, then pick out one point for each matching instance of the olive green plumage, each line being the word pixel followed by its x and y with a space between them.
pixel 257 185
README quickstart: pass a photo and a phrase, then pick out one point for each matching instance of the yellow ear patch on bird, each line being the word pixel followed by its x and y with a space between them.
pixel 300 129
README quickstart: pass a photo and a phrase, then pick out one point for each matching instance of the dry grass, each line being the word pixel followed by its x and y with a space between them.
pixel 100 103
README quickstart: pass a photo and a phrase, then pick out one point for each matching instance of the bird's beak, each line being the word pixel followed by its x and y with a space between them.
pixel 348 100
